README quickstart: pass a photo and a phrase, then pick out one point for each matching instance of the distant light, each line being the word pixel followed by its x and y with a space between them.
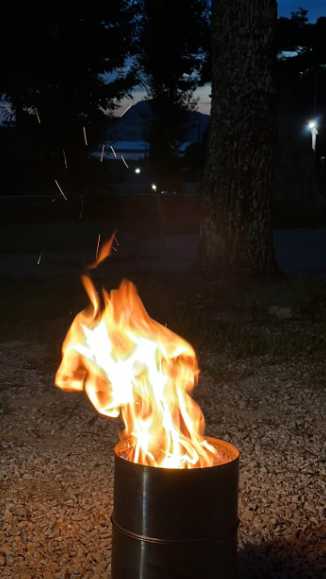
pixel 138 170
pixel 154 187
pixel 312 125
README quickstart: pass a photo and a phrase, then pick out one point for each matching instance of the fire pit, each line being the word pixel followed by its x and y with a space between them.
pixel 175 492
pixel 175 523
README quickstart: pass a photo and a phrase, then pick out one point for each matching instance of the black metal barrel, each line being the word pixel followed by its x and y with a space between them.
pixel 175 523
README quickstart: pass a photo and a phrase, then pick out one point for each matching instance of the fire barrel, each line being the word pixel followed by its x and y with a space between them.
pixel 175 523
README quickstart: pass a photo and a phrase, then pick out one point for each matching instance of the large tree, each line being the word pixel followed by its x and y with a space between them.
pixel 236 233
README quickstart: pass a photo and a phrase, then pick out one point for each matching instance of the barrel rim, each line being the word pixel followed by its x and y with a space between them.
pixel 217 442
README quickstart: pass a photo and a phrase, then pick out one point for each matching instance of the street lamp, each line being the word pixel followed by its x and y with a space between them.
pixel 313 128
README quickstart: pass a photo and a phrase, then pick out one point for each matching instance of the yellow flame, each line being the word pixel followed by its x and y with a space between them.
pixel 131 366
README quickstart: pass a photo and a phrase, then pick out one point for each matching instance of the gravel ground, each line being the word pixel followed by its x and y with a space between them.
pixel 56 466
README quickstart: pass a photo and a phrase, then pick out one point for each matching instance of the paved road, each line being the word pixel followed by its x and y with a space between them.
pixel 301 250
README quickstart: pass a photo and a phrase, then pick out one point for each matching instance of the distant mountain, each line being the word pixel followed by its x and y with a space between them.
pixel 134 125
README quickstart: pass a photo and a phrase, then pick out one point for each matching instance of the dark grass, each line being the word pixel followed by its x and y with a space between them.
pixel 226 317
pixel 141 214
pixel 180 213
pixel 234 321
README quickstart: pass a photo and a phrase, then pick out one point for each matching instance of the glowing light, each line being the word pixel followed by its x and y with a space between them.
pixel 154 187
pixel 313 125
pixel 138 170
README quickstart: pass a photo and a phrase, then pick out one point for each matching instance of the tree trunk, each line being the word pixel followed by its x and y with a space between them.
pixel 236 232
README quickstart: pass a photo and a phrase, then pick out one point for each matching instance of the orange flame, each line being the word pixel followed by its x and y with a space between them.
pixel 103 253
pixel 130 365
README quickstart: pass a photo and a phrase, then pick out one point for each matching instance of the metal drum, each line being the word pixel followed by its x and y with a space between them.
pixel 176 523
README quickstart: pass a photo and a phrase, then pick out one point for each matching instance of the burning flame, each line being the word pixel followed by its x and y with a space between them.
pixel 130 365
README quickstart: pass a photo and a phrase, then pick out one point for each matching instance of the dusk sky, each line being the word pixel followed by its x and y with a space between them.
pixel 316 8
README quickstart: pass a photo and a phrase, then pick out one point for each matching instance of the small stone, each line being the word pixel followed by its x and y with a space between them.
pixel 281 312
pixel 5 549
pixel 3 559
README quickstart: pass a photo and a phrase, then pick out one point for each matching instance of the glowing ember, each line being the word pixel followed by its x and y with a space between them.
pixel 131 366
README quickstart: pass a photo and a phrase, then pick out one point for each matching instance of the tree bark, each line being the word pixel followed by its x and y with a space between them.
pixel 236 231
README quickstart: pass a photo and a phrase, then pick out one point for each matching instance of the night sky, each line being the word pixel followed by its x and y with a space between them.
pixel 316 8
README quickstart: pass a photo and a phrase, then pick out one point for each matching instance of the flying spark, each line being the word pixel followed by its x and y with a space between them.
pixel 65 158
pixel 85 136
pixel 39 258
pixel 124 161
pixel 98 245
pixel 116 243
pixel 102 153
pixel 38 116
pixel 62 193
pixel 113 151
